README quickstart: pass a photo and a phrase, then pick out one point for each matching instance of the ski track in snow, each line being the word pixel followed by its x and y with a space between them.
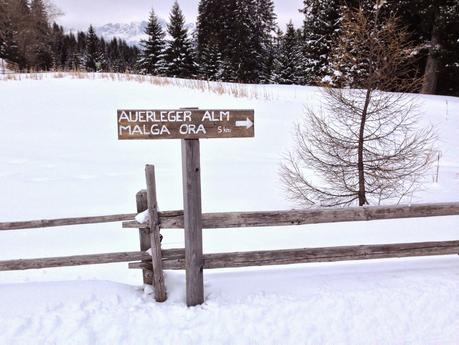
pixel 61 158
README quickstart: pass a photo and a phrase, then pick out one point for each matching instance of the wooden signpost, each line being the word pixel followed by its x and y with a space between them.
pixel 190 125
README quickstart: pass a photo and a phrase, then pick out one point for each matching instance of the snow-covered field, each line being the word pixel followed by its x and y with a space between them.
pixel 61 157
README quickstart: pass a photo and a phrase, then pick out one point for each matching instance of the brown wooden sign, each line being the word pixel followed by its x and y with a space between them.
pixel 185 124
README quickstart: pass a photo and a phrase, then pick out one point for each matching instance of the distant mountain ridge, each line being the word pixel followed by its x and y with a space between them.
pixel 132 32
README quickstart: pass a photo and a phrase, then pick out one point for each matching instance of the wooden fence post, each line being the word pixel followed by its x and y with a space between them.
pixel 191 174
pixel 144 233
pixel 158 275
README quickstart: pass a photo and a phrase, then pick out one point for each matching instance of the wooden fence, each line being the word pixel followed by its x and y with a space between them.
pixel 174 259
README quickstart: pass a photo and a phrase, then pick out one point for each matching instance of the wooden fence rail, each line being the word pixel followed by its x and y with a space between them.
pixel 174 259
pixel 174 219
pixel 46 223
pixel 90 259
pixel 308 255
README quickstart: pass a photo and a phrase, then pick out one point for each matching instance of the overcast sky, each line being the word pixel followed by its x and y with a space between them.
pixel 78 14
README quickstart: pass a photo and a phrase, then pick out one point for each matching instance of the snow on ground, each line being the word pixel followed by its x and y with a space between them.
pixel 61 157
pixel 401 302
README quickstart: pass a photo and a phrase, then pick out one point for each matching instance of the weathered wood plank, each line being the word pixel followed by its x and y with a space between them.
pixel 308 255
pixel 89 259
pixel 175 258
pixel 45 223
pixel 174 220
pixel 363 252
pixel 144 233
pixel 191 175
pixel 158 275
pixel 76 260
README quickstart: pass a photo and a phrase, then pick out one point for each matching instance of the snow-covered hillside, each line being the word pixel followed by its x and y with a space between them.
pixel 61 157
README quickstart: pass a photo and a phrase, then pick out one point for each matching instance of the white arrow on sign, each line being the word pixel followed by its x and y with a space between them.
pixel 246 123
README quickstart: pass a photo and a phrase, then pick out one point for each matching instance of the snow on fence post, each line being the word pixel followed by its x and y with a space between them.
pixel 156 259
pixel 144 233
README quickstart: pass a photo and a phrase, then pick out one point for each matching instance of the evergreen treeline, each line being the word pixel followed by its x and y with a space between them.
pixel 236 40
pixel 239 40
pixel 31 43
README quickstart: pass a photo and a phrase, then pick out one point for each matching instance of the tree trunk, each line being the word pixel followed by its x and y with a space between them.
pixel 432 70
pixel 360 166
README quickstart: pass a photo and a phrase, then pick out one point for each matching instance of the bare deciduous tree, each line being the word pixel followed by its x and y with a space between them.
pixel 365 145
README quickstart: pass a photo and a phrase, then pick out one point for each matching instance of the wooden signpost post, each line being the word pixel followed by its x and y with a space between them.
pixel 190 125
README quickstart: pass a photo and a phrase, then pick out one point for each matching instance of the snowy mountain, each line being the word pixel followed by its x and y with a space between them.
pixel 132 32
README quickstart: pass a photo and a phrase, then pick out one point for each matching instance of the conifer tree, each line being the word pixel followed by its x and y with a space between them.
pixel 266 28
pixel 178 54
pixel 114 60
pixel 288 62
pixel 235 39
pixel 80 50
pixel 244 46
pixel 92 56
pixel 120 57
pixel 321 23
pixel 73 60
pixel 211 27
pixel 3 25
pixel 152 57
pixel 130 57
pixel 276 64
pixel 40 57
pixel 59 51
pixel 211 62
pixel 102 55
pixel 8 45
pixel 19 33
